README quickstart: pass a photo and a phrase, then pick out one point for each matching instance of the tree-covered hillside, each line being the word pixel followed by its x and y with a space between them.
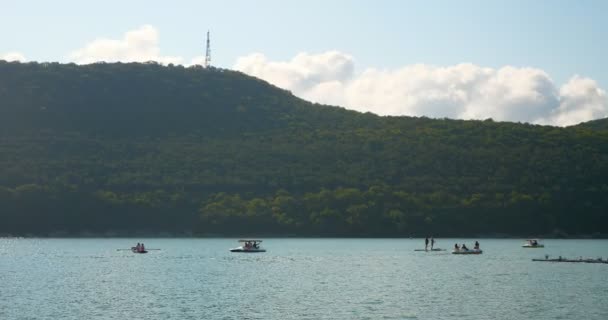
pixel 122 148
pixel 600 124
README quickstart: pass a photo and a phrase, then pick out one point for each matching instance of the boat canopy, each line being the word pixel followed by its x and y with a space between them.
pixel 246 240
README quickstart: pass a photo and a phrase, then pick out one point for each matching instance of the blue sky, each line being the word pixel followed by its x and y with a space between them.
pixel 562 38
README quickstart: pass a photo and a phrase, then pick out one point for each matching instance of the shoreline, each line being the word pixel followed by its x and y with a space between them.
pixel 136 235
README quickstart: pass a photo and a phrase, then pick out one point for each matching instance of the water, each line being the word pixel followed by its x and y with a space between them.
pixel 298 279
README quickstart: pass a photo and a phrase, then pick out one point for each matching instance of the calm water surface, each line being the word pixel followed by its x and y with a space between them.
pixel 298 279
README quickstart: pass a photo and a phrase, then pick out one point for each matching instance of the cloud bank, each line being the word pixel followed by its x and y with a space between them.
pixel 463 91
pixel 139 45
pixel 13 56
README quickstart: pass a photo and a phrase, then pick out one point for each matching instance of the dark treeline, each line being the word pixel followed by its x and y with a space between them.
pixel 121 148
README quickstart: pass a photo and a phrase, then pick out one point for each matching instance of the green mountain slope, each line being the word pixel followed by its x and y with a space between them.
pixel 600 124
pixel 145 148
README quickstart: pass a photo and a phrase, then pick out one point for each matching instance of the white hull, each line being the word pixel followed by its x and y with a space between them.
pixel 247 250
pixel 474 251
pixel 531 246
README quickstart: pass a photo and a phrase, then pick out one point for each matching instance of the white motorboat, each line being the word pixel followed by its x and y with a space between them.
pixel 249 246
pixel 533 243
pixel 467 251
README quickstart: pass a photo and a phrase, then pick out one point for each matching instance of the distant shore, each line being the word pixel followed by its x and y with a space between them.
pixel 161 235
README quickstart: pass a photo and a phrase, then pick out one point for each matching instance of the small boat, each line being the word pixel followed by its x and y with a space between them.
pixel 249 246
pixel 467 251
pixel 533 243
pixel 135 250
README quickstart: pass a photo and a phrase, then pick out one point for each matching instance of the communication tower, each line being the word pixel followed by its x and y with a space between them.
pixel 208 52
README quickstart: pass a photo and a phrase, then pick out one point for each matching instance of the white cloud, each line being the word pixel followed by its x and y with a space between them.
pixel 464 91
pixel 303 73
pixel 13 56
pixel 139 45
pixel 198 60
pixel 581 100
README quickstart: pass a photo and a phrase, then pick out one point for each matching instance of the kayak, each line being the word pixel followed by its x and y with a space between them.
pixel 134 250
pixel 473 251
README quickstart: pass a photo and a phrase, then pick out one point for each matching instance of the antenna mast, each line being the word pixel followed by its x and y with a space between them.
pixel 208 52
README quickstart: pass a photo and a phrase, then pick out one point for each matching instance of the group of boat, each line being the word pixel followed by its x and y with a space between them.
pixel 248 246
pixel 462 249
pixel 254 246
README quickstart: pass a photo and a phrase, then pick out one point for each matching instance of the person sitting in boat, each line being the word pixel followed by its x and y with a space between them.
pixel 534 242
pixel 456 247
pixel 137 247
pixel 464 247
pixel 142 248
pixel 476 245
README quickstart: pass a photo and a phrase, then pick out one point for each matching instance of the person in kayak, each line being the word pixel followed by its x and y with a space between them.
pixel 476 245
pixel 464 247
pixel 456 247
pixel 426 243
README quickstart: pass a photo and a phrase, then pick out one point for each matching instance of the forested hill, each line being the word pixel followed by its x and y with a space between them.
pixel 600 124
pixel 125 149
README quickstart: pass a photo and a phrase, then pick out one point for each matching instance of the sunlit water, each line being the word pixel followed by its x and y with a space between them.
pixel 298 279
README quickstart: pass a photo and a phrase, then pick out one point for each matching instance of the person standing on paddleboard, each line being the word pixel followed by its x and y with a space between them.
pixel 426 243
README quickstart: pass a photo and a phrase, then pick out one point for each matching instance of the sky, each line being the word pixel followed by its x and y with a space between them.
pixel 528 61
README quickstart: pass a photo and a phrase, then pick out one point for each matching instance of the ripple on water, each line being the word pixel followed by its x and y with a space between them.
pixel 295 279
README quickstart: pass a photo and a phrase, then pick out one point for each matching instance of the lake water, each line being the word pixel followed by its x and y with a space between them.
pixel 298 279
